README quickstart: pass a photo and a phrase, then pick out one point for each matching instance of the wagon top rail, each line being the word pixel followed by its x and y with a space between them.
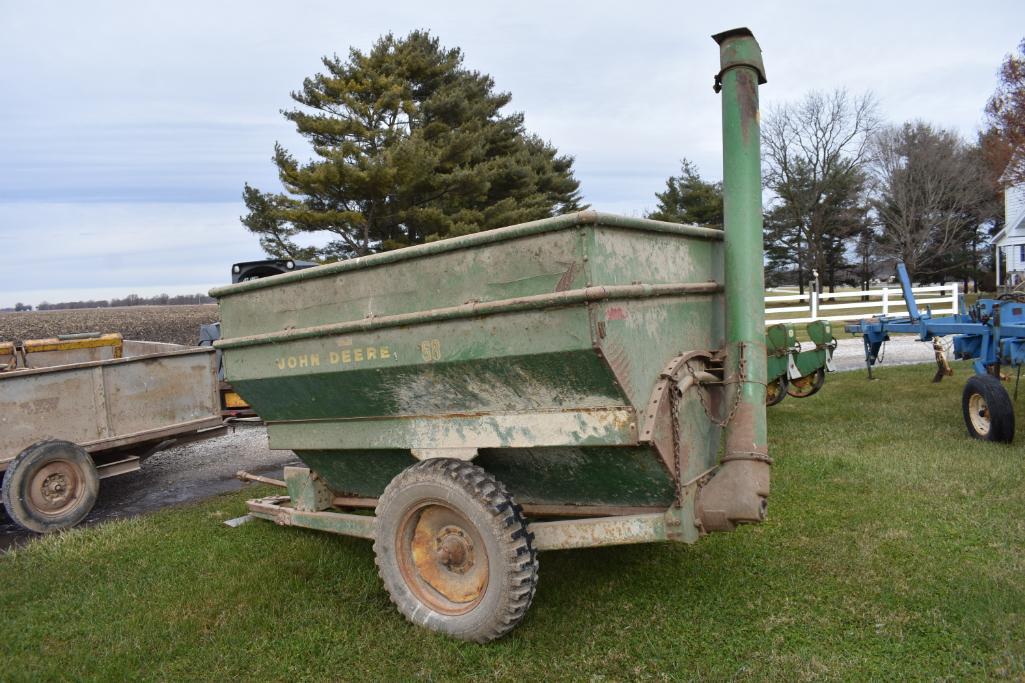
pixel 564 222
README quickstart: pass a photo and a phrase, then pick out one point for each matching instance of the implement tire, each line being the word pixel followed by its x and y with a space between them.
pixel 807 386
pixel 453 550
pixel 987 409
pixel 51 485
pixel 776 390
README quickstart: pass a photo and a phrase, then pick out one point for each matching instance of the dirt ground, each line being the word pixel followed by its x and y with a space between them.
pixel 174 324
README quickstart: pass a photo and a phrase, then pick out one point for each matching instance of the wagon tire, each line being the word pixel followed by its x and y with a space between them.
pixel 453 550
pixel 987 408
pixel 51 485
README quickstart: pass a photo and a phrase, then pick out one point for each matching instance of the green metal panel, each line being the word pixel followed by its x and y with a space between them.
pixel 779 340
pixel 531 258
pixel 627 476
pixel 810 361
pixel 820 332
pixel 519 361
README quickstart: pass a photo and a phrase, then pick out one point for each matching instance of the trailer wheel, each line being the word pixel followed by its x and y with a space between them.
pixel 776 390
pixel 51 485
pixel 453 550
pixel 988 411
pixel 808 385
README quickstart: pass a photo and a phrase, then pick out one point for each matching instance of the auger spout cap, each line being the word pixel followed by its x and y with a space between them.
pixel 738 47
pixel 739 490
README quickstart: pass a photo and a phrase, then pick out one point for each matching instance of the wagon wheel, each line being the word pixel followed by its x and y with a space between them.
pixel 776 390
pixel 51 485
pixel 453 550
pixel 808 385
pixel 987 408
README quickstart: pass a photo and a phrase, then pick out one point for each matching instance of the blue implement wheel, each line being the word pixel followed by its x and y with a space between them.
pixel 988 411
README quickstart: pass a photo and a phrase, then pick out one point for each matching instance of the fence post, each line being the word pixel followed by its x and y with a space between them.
pixel 954 288
pixel 886 301
pixel 813 302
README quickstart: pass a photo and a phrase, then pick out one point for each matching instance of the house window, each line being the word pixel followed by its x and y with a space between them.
pixel 1021 253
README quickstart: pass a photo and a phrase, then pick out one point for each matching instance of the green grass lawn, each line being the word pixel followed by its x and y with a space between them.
pixel 895 549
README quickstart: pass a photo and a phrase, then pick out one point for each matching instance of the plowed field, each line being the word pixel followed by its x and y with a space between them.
pixel 175 324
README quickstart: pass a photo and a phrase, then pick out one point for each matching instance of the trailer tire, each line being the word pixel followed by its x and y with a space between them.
pixel 453 550
pixel 987 408
pixel 51 485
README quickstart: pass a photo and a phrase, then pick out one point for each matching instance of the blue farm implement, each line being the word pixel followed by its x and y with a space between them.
pixel 991 333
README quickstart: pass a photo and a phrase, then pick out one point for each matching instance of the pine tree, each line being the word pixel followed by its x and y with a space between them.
pixel 689 199
pixel 410 147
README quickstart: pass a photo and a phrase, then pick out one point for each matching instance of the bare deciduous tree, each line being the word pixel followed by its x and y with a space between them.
pixel 1006 114
pixel 928 184
pixel 815 151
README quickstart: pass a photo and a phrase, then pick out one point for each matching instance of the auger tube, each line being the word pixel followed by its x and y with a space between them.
pixel 739 490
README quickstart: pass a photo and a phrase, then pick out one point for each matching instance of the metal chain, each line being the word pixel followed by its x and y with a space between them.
pixel 675 396
pixel 674 409
pixel 742 373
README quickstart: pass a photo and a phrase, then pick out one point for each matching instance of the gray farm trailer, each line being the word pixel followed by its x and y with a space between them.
pixel 80 408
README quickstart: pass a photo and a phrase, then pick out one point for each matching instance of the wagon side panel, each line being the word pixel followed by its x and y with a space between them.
pixel 106 404
pixel 157 393
pixel 59 404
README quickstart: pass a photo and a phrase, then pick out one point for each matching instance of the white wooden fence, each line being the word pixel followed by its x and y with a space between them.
pixel 859 304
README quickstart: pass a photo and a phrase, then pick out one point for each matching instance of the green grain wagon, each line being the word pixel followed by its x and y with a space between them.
pixel 557 384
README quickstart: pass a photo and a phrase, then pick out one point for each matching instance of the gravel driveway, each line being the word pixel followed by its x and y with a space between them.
pixel 900 350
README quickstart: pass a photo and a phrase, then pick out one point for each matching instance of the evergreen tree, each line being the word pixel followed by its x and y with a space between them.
pixel 410 147
pixel 689 199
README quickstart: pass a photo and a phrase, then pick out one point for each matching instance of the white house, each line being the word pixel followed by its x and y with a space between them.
pixel 1010 242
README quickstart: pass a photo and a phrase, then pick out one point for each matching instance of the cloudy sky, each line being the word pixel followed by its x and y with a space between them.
pixel 127 129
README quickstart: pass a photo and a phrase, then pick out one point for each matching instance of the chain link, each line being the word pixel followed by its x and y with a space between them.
pixel 674 408
pixel 742 373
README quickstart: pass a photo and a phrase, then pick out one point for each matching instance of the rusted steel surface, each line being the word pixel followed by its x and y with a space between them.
pixel 599 531
pixel 438 527
pixel 443 557
pixel 108 404
pixel 242 475
pixel 276 509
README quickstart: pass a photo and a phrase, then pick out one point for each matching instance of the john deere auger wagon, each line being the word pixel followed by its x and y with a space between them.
pixel 564 383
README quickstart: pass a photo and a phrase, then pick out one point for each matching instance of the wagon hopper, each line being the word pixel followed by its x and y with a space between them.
pixel 557 384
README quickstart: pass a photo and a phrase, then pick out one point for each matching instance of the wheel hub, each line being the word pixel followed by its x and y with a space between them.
pixel 978 411
pixel 442 558
pixel 55 487
pixel 454 549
